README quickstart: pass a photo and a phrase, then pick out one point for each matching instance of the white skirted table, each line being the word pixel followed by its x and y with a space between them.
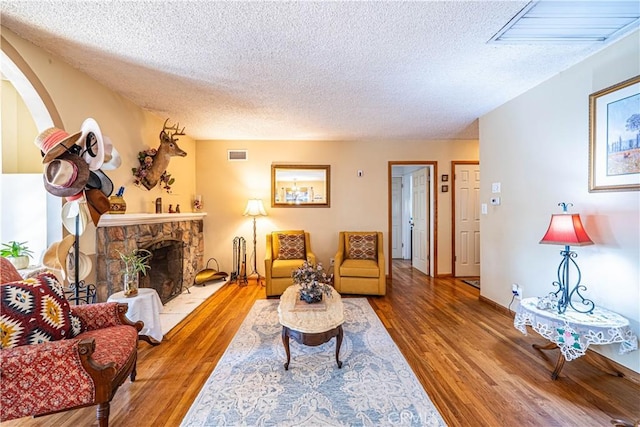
pixel 310 324
pixel 145 306
pixel 572 332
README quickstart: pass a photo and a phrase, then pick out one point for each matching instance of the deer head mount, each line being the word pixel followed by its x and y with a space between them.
pixel 167 149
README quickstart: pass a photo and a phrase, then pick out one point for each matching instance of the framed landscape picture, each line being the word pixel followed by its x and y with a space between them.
pixel 614 137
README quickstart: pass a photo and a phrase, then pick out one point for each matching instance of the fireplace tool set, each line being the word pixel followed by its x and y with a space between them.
pixel 239 273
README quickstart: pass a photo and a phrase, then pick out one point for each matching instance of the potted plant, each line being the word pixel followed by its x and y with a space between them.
pixel 313 281
pixel 135 262
pixel 17 253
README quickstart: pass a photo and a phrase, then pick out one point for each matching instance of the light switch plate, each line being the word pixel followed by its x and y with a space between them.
pixel 483 208
pixel 495 187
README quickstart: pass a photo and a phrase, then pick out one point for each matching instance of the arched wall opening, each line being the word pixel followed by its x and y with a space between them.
pixel 29 213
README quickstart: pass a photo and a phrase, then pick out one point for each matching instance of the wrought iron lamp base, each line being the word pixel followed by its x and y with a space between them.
pixel 563 293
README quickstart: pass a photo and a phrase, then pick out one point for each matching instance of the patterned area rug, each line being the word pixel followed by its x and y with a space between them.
pixel 375 386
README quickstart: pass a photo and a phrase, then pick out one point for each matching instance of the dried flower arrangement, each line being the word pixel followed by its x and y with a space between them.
pixel 313 281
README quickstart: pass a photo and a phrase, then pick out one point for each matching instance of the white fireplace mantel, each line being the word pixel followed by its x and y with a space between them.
pixel 111 220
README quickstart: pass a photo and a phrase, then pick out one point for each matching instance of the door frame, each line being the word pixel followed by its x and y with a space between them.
pixel 433 202
pixel 454 163
pixel 400 220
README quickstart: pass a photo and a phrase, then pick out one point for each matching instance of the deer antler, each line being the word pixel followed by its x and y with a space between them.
pixel 175 128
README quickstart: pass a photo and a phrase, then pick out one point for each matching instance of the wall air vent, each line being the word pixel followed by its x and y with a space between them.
pixel 237 155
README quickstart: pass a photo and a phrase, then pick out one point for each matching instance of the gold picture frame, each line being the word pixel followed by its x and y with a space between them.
pixel 614 137
pixel 300 186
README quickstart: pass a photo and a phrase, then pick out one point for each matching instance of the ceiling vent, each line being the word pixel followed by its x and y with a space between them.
pixel 237 155
pixel 570 21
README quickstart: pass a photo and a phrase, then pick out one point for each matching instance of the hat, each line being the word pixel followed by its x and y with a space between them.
pixel 55 255
pixel 53 142
pixel 72 210
pixel 98 180
pixel 112 158
pixel 97 203
pixel 66 175
pixel 83 261
pixel 92 144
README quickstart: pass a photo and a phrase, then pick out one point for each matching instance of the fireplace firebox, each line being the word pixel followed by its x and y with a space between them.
pixel 165 272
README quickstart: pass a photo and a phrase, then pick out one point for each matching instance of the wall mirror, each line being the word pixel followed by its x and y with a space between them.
pixel 300 186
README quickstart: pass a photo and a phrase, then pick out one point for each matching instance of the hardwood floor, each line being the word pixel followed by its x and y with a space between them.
pixel 476 367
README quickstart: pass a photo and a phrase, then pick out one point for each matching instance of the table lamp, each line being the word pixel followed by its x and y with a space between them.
pixel 254 209
pixel 567 229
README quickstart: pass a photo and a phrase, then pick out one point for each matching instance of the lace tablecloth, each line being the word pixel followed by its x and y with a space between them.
pixel 310 321
pixel 572 331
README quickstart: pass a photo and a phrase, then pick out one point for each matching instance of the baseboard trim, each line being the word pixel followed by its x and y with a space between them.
pixel 596 359
pixel 611 366
pixel 500 308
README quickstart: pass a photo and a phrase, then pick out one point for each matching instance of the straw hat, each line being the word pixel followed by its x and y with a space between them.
pixel 83 261
pixel 112 158
pixel 55 256
pixel 66 175
pixel 53 142
pixel 75 209
pixel 92 143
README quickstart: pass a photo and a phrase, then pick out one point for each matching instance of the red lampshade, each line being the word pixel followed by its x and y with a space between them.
pixel 566 229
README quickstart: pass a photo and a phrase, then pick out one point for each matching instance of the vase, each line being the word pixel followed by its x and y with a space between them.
pixel 130 284
pixel 117 205
pixel 19 262
pixel 311 296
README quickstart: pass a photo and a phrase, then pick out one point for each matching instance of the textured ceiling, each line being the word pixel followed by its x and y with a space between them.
pixel 299 70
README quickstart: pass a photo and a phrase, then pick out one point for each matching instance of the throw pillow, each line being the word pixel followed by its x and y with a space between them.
pixel 291 246
pixel 363 246
pixel 35 311
pixel 8 272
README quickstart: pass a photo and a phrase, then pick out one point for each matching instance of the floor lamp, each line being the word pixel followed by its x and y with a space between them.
pixel 254 209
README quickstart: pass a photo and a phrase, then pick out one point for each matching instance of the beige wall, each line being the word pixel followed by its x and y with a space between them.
pixel 537 146
pixel 131 129
pixel 19 153
pixel 356 203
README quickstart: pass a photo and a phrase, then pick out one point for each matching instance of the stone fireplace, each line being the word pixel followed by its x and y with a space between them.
pixel 175 240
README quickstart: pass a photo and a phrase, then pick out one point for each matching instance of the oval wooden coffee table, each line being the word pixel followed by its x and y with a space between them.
pixel 310 324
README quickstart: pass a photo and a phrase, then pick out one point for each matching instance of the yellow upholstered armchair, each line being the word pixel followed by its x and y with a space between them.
pixel 286 251
pixel 359 263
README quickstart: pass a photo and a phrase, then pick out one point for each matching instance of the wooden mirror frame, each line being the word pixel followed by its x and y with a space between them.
pixel 300 186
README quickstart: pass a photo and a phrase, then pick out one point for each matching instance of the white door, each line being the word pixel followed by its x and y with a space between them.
pixel 467 220
pixel 420 198
pixel 396 217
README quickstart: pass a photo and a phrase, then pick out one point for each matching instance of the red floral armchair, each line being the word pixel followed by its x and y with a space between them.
pixel 55 357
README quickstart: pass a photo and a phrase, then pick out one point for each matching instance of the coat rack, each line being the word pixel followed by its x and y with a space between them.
pixel 79 292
